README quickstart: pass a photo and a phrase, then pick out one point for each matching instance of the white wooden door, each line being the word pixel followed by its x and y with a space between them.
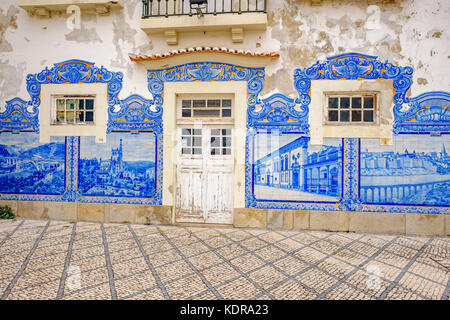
pixel 205 174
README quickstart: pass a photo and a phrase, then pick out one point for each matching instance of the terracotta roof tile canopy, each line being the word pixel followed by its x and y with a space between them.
pixel 180 56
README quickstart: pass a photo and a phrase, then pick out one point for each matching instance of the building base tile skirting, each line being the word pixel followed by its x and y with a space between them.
pixel 98 212
pixel 344 221
pixel 277 219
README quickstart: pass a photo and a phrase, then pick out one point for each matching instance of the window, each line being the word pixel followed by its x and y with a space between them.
pixel 73 110
pixel 359 108
pixel 191 141
pixel 216 108
pixel 220 142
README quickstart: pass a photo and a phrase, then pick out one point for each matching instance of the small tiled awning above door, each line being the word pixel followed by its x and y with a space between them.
pixel 224 55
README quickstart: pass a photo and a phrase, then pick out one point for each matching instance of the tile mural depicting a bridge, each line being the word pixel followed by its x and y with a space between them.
pixel 122 167
pixel 415 170
pixel 288 168
pixel 30 167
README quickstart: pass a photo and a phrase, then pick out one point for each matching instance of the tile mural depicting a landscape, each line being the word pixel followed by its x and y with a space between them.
pixel 122 167
pixel 288 168
pixel 30 167
pixel 415 170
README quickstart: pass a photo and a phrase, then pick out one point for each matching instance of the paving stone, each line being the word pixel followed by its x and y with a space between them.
pixel 215 262
pixel 291 290
pixel 238 289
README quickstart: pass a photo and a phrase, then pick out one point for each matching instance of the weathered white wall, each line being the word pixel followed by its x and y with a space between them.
pixel 411 32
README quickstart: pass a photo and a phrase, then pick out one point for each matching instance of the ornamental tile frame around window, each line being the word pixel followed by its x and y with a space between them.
pixel 206 71
pixel 354 66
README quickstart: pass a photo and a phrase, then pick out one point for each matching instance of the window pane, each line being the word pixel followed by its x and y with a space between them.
pixel 368 102
pixel 80 116
pixel 226 112
pixel 345 116
pixel 213 103
pixel 186 132
pixel 368 115
pixel 345 102
pixel 215 132
pixel 215 142
pixel 215 151
pixel 186 113
pixel 226 151
pixel 356 102
pixel 186 103
pixel 90 104
pixel 226 103
pixel 81 104
pixel 197 132
pixel 60 116
pixel 332 115
pixel 226 142
pixel 206 113
pixel 186 151
pixel 185 141
pixel 226 132
pixel 197 151
pixel 197 141
pixel 60 103
pixel 70 116
pixel 199 103
pixel 332 102
pixel 356 116
pixel 89 116
pixel 70 103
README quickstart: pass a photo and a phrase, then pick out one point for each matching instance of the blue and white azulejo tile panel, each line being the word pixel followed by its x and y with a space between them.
pixel 123 167
pixel 415 170
pixel 30 167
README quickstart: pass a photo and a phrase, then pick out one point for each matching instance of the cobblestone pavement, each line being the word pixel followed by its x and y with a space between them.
pixel 61 260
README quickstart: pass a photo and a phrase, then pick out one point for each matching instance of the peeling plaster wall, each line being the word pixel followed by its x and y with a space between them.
pixel 410 32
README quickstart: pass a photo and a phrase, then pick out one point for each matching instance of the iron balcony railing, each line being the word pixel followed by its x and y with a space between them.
pixel 166 8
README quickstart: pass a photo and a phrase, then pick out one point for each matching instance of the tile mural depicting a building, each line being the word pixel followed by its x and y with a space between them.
pixel 288 168
pixel 123 167
pixel 415 170
pixel 30 167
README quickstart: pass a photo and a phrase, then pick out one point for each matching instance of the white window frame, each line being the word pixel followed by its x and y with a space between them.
pixel 204 119
pixel 321 129
pixel 47 112
pixel 351 94
pixel 54 121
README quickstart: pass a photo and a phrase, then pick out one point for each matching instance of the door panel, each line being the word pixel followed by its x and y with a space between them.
pixel 205 180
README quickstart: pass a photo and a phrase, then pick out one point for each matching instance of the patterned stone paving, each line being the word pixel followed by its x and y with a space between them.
pixel 63 260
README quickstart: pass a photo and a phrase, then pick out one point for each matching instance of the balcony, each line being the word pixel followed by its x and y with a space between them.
pixel 172 17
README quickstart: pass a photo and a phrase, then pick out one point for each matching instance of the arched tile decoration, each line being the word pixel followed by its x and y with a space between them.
pixel 281 112
pixel 352 66
pixel 427 113
pixel 206 71
pixel 135 113
pixel 16 117
pixel 74 71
